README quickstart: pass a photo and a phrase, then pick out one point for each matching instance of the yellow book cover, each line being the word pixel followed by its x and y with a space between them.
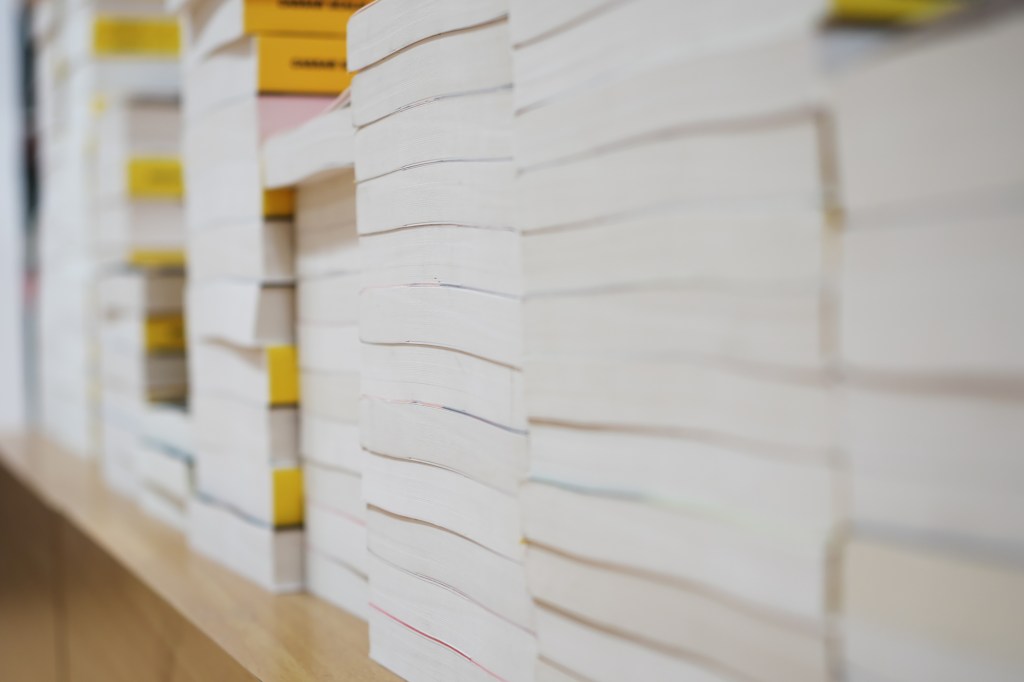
pixel 288 502
pixel 299 16
pixel 892 11
pixel 278 203
pixel 302 65
pixel 283 372
pixel 155 178
pixel 157 258
pixel 165 333
pixel 114 36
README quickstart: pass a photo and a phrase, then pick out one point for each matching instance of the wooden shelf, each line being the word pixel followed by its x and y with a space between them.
pixel 270 637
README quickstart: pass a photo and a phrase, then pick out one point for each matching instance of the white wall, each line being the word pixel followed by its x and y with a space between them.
pixel 12 374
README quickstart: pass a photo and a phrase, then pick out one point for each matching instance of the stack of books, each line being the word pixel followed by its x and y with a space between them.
pixel 117 47
pixel 137 184
pixel 142 359
pixel 250 69
pixel 90 54
pixel 930 134
pixel 316 159
pixel 64 366
pixel 137 246
pixel 442 419
pixel 673 192
pixel 636 339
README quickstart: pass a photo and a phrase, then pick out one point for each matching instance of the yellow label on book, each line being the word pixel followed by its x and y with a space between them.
pixel 157 258
pixel 138 36
pixel 892 11
pixel 165 332
pixel 279 203
pixel 155 177
pixel 300 16
pixel 288 505
pixel 283 374
pixel 302 65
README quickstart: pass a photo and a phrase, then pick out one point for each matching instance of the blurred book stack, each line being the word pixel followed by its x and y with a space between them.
pixel 250 69
pixel 120 48
pixel 142 359
pixel 316 159
pixel 137 184
pixel 64 363
pixel 930 137
pixel 673 191
pixel 90 54
pixel 138 246
pixel 442 418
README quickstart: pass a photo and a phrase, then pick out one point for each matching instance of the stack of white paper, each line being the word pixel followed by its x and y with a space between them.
pixel 442 417
pixel 930 136
pixel 672 188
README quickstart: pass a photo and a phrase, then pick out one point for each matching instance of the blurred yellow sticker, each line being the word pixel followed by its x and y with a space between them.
pixel 894 11
pixel 140 36
pixel 165 332
pixel 283 373
pixel 155 177
pixel 278 203
pixel 157 258
pixel 288 504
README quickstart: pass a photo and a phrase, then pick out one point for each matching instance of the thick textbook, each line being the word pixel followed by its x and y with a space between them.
pixel 278 65
pixel 317 148
pixel 266 375
pixel 214 23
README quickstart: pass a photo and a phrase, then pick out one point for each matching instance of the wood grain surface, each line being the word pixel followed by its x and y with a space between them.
pixel 137 601
pixel 30 632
